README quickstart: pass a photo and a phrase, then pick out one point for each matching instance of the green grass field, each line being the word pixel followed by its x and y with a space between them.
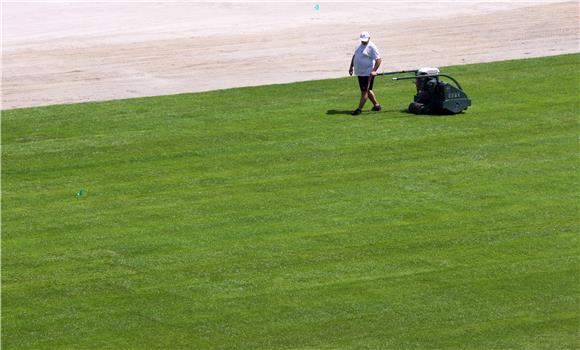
pixel 265 218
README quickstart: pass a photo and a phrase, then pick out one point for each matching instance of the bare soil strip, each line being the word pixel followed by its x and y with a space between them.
pixel 59 67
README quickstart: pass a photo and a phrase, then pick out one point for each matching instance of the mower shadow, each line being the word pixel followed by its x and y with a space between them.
pixel 432 114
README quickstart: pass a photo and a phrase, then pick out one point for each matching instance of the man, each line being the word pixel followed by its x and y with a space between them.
pixel 365 62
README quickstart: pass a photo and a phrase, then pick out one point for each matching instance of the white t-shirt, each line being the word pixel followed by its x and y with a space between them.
pixel 364 59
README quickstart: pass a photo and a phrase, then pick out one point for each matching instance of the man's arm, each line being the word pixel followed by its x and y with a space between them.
pixel 377 65
pixel 350 70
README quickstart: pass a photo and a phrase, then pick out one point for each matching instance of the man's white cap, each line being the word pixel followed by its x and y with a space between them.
pixel 364 36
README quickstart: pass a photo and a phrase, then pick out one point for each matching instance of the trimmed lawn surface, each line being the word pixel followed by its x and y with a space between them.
pixel 266 218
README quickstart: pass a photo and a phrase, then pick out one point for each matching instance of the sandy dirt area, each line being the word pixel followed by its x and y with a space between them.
pixel 55 53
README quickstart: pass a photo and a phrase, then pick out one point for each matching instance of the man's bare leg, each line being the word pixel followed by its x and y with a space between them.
pixel 373 98
pixel 363 99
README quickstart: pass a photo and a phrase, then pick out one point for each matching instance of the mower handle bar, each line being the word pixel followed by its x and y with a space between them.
pixel 399 72
pixel 430 76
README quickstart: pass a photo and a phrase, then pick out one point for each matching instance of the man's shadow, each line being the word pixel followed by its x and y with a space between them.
pixel 349 112
pixel 337 111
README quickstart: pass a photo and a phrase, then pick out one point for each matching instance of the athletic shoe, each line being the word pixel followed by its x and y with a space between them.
pixel 376 108
pixel 356 112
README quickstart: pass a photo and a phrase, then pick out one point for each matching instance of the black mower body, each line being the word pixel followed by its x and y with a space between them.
pixel 435 96
pixel 441 97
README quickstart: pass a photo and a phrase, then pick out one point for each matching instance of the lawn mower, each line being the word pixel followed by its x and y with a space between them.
pixel 434 96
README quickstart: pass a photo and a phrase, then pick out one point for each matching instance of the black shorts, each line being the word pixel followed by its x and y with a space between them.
pixel 366 82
